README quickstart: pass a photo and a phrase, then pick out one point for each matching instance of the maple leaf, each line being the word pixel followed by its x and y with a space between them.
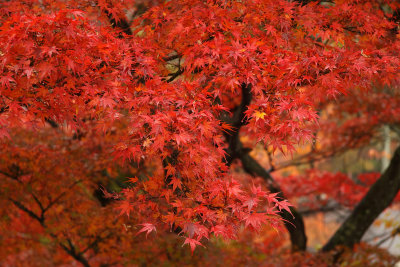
pixel 227 128
pixel 148 228
pixel 106 193
pixel 255 220
pixel 6 80
pixel 250 202
pixel 192 243
pixel 45 69
pixel 284 205
pixel 133 180
pixel 178 204
pixel 259 115
pixel 126 207
pixel 175 182
pixel 193 229
pixel 107 102
pixel 257 191
pixel 167 194
pixel 170 170
pixel 49 51
pixel 271 198
pixel 234 188
pixel 78 13
pixel 224 231
pixel 182 138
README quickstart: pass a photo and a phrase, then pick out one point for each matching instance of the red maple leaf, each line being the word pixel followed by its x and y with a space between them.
pixel 175 182
pixel 192 243
pixel 255 220
pixel 148 228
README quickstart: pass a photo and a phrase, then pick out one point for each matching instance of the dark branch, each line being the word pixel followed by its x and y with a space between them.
pixel 39 204
pixel 169 58
pixel 4 109
pixel 72 252
pixel 293 223
pixel 174 75
pixel 307 212
pixel 237 121
pixel 11 176
pixel 97 240
pixel 28 211
pixel 378 198
pixel 52 123
pixel 52 202
pixel 120 24
pixel 41 219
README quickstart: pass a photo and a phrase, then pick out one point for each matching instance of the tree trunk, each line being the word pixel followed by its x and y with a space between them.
pixel 378 198
pixel 293 223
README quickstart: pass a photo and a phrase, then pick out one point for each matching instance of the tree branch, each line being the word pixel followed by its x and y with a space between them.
pixel 170 58
pixel 307 212
pixel 378 198
pixel 52 202
pixel 28 211
pixel 174 75
pixel 71 250
pixel 95 242
pixel 293 223
pixel 51 122
pixel 237 121
pixel 121 24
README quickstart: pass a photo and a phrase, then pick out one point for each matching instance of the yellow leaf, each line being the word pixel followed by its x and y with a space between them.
pixel 259 115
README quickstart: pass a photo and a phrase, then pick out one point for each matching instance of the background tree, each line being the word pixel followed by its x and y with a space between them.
pixel 166 92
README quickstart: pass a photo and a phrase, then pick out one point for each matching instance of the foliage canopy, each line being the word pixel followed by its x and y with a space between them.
pixel 165 92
